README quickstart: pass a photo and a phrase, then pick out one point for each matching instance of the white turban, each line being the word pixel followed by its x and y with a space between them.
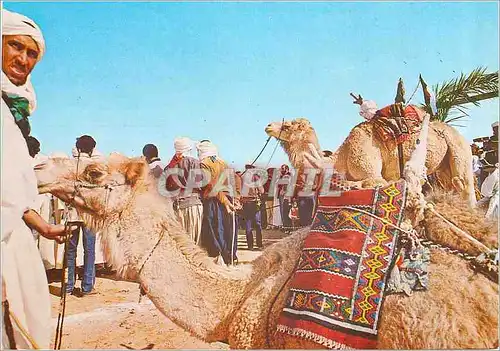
pixel 206 149
pixel 368 109
pixel 494 124
pixel 16 24
pixel 183 145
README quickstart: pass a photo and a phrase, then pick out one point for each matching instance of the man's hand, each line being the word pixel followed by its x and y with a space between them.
pixel 237 205
pixel 55 232
pixel 58 232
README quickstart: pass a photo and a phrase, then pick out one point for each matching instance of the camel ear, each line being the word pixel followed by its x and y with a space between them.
pixel 136 171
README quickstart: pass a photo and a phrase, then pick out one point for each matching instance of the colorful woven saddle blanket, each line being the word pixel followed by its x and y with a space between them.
pixel 337 290
pixel 397 122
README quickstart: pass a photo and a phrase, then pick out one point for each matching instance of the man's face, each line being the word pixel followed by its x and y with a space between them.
pixel 19 57
pixel 495 131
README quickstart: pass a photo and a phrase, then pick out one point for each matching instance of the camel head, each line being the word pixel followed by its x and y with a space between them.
pixel 295 137
pixel 95 187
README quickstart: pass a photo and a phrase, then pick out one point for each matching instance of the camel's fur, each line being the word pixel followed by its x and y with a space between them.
pixel 241 305
pixel 364 157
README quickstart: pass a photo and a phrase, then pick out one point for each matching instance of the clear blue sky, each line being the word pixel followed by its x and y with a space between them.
pixel 136 73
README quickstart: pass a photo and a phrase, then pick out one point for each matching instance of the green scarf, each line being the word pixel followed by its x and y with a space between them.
pixel 19 107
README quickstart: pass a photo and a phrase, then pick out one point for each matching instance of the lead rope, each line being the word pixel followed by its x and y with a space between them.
pixel 62 302
pixel 141 289
pixel 9 330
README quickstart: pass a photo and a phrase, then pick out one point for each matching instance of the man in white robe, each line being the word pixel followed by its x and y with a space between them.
pixel 24 284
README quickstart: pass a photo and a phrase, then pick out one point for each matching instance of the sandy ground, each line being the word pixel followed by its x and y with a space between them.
pixel 114 318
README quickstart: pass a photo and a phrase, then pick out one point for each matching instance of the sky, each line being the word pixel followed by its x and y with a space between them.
pixel 136 73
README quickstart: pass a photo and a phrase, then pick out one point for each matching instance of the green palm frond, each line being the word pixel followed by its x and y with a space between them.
pixel 452 96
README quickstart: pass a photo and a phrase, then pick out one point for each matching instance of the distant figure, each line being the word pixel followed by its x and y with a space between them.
pixel 489 191
pixel 156 166
pixel 251 200
pixel 476 165
pixel 83 151
pixel 187 204
pixel 489 156
pixel 282 200
pixel 269 200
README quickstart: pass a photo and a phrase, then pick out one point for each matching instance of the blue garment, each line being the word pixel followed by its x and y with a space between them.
pixel 306 206
pixel 217 230
pixel 230 231
pixel 252 220
pixel 88 280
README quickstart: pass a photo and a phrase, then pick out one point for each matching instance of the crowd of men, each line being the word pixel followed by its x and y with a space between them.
pixel 212 200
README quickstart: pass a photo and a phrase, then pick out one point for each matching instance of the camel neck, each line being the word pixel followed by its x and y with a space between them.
pixel 189 288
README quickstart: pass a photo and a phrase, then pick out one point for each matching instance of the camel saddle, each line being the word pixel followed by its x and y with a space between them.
pixel 397 122
pixel 337 289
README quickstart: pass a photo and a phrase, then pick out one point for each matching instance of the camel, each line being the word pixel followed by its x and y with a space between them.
pixel 363 157
pixel 144 242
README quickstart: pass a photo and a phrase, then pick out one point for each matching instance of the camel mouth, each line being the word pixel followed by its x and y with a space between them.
pixel 269 131
pixel 273 131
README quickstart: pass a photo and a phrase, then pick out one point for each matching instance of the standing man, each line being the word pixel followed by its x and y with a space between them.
pixel 156 166
pixel 24 283
pixel 218 233
pixel 284 199
pixel 84 151
pixel 183 175
pixel 251 200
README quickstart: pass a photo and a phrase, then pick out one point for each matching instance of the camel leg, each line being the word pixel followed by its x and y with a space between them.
pixel 458 164
pixel 462 178
pixel 365 163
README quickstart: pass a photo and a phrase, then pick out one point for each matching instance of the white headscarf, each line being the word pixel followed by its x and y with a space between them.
pixel 17 24
pixel 368 109
pixel 206 149
pixel 183 145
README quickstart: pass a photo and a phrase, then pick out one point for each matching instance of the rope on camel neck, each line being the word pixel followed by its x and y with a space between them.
pixel 141 290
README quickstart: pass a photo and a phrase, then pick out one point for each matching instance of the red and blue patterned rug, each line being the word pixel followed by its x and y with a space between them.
pixel 337 291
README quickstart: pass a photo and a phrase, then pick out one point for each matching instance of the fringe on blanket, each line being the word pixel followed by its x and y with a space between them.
pixel 331 344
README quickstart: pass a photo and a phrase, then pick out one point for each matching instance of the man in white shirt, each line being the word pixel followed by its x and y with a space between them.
pixel 25 290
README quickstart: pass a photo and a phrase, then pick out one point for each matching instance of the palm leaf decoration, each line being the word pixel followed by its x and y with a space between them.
pixel 452 96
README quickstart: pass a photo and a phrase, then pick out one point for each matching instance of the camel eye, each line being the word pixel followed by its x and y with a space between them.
pixel 94 174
